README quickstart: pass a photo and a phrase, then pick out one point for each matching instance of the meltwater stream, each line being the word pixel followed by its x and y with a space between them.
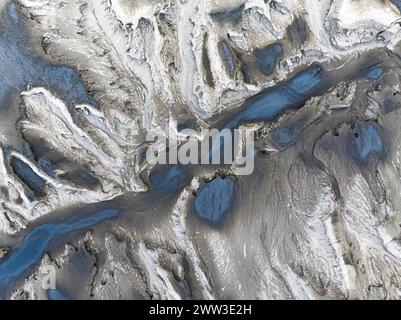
pixel 214 199
pixel 268 105
pixel 34 246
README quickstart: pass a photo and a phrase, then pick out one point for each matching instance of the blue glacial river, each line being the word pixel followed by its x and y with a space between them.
pixel 35 244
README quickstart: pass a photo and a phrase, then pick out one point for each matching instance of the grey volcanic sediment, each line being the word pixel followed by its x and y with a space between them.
pixel 82 83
